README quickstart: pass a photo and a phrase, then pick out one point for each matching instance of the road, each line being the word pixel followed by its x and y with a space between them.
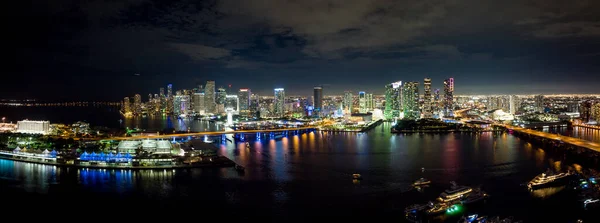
pixel 209 133
pixel 566 139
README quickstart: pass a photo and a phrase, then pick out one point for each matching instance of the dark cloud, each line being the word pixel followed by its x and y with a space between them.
pixel 302 42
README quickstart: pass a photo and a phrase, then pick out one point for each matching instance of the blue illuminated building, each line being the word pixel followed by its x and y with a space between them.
pixel 109 157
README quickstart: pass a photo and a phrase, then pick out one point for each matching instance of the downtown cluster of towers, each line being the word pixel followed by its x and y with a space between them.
pixel 198 101
pixel 402 100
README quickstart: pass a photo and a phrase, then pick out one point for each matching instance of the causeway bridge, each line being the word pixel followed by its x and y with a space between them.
pixel 593 146
pixel 237 133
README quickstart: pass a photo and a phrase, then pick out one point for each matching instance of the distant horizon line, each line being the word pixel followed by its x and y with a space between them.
pixel 35 100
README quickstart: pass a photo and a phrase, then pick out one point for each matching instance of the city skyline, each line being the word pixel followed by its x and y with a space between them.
pixel 105 49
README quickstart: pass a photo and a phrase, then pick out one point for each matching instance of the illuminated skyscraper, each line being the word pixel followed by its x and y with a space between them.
pixel 427 100
pixel 279 102
pixel 244 101
pixel 182 105
pixel 362 102
pixel 161 92
pixel 255 104
pixel 232 103
pixel 370 105
pixel 410 100
pixel 209 97
pixel 220 96
pixel 318 100
pixel 539 103
pixel 585 111
pixel 393 96
pixel 514 104
pixel 169 100
pixel 449 97
pixel 198 103
pixel 127 106
pixel 137 104
pixel 347 102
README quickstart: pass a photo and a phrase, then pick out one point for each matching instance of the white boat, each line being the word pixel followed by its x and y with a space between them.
pixel 548 179
pixel 454 193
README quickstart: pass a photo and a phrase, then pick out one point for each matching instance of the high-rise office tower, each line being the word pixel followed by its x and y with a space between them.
pixel 595 112
pixel 232 104
pixel 279 102
pixel 161 92
pixel 181 104
pixel 254 104
pixel 393 97
pixel 137 104
pixel 127 106
pixel 410 100
pixel 318 100
pixel 198 102
pixel 436 107
pixel 427 100
pixel 539 103
pixel 244 101
pixel 209 97
pixel 369 104
pixel 169 90
pixel 362 102
pixel 449 97
pixel 220 96
pixel 585 111
pixel 347 102
pixel 169 100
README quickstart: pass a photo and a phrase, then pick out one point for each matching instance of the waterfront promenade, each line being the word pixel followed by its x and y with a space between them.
pixel 565 139
pixel 211 133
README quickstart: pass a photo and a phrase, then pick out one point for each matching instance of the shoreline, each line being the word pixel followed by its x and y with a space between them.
pixel 220 164
pixel 364 129
pixel 441 131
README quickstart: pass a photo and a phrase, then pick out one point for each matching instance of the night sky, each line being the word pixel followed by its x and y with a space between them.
pixel 92 50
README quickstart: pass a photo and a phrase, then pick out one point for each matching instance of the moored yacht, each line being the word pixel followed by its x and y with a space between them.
pixel 454 193
pixel 548 179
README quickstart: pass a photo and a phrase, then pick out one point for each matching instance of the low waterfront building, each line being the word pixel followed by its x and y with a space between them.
pixel 33 127
pixel 147 145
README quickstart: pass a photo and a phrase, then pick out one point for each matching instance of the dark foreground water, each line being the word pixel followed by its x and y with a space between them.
pixel 308 177
pixel 303 178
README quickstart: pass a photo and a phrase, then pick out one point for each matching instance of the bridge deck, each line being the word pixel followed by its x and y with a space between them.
pixel 209 133
pixel 566 139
